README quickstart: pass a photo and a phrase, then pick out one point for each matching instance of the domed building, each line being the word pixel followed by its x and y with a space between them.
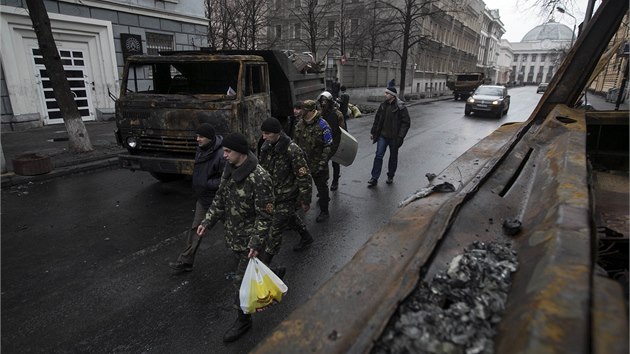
pixel 537 56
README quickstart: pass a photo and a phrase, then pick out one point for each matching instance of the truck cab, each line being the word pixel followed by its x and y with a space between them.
pixel 164 98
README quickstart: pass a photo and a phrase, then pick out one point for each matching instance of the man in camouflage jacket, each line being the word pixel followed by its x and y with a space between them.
pixel 314 136
pixel 244 203
pixel 292 186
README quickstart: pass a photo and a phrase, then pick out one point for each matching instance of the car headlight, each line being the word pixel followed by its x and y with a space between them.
pixel 132 142
pixel 496 103
pixel 470 100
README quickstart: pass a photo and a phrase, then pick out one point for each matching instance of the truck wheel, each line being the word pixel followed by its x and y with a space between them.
pixel 466 112
pixel 166 177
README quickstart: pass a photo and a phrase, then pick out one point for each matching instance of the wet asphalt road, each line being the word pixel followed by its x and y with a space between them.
pixel 84 258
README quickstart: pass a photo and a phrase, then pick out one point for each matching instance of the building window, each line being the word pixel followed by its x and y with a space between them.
pixel 278 31
pixel 297 33
pixel 524 59
pixel 331 29
pixel 534 57
pixel 157 42
pixel 515 57
pixel 354 26
pixel 543 58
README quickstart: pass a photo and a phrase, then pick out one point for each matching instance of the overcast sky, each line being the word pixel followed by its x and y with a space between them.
pixel 519 17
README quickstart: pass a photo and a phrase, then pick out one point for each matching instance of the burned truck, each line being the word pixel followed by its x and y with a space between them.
pixel 543 203
pixel 164 98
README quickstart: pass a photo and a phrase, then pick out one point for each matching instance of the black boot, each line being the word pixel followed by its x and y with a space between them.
pixel 323 216
pixel 265 257
pixel 242 324
pixel 305 240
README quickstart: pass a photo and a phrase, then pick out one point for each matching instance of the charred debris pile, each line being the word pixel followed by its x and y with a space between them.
pixel 459 309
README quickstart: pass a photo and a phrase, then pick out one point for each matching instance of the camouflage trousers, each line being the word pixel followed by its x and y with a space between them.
pixel 285 217
pixel 237 279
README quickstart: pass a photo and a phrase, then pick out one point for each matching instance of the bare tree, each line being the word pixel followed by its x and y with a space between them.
pixel 221 15
pixel 404 21
pixel 79 140
pixel 310 16
pixel 370 40
pixel 236 24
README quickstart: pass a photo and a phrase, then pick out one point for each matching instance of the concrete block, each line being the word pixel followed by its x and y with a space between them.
pixel 128 19
pixel 168 25
pixel 103 14
pixel 149 22
pixel 74 10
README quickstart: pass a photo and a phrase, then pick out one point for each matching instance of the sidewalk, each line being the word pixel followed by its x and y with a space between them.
pixel 52 141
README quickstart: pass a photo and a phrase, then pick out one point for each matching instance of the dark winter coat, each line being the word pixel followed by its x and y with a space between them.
pixel 209 165
pixel 334 118
pixel 400 121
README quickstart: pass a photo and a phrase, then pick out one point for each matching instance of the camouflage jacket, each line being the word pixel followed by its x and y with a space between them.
pixel 289 172
pixel 315 139
pixel 244 202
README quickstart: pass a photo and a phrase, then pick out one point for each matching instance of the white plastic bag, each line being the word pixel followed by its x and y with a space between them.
pixel 260 287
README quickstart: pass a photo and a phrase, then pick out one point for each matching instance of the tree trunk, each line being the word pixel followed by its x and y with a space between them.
pixel 79 140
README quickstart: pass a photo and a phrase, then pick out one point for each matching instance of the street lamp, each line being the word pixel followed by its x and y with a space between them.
pixel 563 11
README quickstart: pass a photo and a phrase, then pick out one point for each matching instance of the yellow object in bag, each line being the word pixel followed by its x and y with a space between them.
pixel 260 287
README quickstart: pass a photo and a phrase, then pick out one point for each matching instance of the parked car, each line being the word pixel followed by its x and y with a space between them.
pixel 542 87
pixel 488 98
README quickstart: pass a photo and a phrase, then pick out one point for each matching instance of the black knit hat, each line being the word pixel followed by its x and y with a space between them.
pixel 271 125
pixel 392 91
pixel 236 142
pixel 206 130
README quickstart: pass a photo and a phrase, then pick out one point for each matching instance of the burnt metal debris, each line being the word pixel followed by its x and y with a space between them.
pixel 458 311
pixel 423 192
pixel 511 227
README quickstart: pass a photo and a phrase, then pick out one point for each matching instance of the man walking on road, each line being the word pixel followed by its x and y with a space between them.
pixel 314 136
pixel 209 165
pixel 292 186
pixel 244 203
pixel 391 123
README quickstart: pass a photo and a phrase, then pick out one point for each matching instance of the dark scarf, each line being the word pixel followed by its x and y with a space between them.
pixel 241 172
pixel 280 146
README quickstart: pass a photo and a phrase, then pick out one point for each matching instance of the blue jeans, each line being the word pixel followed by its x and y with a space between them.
pixel 381 146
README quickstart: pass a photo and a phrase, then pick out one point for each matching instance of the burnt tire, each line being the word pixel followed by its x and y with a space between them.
pixel 166 177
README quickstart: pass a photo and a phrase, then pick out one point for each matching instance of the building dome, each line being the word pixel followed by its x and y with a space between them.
pixel 551 30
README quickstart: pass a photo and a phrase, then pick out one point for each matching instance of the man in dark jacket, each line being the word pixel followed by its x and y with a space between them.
pixel 209 165
pixel 391 123
pixel 335 120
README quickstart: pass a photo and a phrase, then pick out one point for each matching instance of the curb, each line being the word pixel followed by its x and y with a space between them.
pixel 11 179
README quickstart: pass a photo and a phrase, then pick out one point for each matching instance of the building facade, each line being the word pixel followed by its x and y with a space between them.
pixel 92 38
pixel 466 40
